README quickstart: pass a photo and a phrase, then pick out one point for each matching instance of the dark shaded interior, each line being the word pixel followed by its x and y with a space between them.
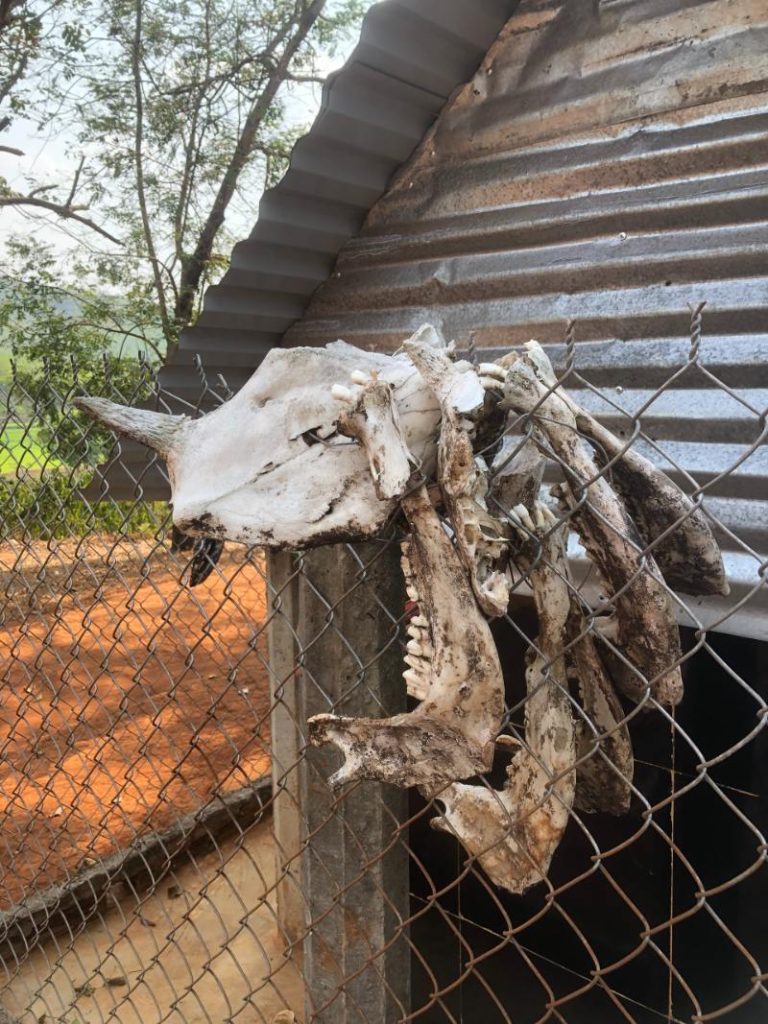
pixel 602 917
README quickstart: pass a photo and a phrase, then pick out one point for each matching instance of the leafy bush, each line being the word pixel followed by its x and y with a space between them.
pixel 52 505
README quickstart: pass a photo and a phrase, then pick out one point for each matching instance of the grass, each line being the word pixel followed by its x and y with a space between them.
pixel 19 448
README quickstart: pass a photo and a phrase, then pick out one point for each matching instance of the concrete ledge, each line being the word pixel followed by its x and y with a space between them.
pixel 67 908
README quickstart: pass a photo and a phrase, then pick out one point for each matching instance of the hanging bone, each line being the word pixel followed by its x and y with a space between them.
pixel 688 556
pixel 644 645
pixel 324 444
pixel 463 478
pixel 450 735
pixel 269 466
pixel 514 832
pixel 606 765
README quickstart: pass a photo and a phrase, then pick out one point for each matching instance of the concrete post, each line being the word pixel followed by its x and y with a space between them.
pixel 354 872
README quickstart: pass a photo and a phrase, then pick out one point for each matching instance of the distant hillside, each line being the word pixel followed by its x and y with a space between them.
pixel 68 305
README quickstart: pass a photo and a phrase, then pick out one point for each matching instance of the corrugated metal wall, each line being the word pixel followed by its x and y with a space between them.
pixel 608 163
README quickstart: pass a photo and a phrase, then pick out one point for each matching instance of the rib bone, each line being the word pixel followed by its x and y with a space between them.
pixel 688 557
pixel 606 765
pixel 648 640
pixel 604 777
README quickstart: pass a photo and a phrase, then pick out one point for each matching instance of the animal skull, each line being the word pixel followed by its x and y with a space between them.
pixel 271 466
pixel 325 444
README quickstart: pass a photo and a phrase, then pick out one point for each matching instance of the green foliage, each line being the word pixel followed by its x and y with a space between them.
pixel 51 506
pixel 66 344
pixel 20 447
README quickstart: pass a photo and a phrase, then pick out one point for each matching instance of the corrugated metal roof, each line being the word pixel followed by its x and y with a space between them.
pixel 609 163
pixel 411 57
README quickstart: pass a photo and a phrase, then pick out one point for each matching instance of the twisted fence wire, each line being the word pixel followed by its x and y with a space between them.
pixel 145 877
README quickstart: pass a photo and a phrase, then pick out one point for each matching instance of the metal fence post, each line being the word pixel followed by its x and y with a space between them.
pixel 354 872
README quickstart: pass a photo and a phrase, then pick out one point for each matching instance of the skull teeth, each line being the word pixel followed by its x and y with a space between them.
pixel 341 393
pixel 492 370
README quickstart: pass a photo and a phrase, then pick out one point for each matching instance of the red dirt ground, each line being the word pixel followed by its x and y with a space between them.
pixel 128 699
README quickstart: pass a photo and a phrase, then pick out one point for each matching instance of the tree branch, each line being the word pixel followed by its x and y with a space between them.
pixel 140 186
pixel 75 182
pixel 317 79
pixel 60 209
pixel 195 266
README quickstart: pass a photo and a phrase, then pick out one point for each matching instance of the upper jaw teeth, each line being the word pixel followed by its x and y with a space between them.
pixel 342 393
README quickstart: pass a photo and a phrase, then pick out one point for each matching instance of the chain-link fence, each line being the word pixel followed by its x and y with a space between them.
pixel 172 850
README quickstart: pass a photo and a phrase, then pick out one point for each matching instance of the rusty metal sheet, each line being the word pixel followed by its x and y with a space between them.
pixel 608 162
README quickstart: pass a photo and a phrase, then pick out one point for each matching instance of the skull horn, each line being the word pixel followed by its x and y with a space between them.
pixel 157 430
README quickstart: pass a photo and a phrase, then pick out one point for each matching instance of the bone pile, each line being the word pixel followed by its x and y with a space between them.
pixel 323 445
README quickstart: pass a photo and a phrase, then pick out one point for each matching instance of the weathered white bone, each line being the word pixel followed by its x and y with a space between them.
pixel 688 557
pixel 375 423
pixel 450 734
pixel 480 539
pixel 514 832
pixel 648 640
pixel 158 430
pixel 257 470
pixel 419 673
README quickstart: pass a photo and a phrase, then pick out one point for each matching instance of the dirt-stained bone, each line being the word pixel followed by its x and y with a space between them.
pixel 514 832
pixel 480 538
pixel 688 557
pixel 606 762
pixel 268 466
pixel 450 735
pixel 646 636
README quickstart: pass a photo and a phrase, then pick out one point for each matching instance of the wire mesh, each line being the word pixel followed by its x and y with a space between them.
pixel 172 851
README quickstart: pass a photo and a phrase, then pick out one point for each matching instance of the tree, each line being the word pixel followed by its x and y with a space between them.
pixel 27 35
pixel 176 115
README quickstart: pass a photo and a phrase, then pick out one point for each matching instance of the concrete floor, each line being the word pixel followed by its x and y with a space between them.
pixel 204 949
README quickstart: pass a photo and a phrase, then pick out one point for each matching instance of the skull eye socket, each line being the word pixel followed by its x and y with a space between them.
pixel 317 435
